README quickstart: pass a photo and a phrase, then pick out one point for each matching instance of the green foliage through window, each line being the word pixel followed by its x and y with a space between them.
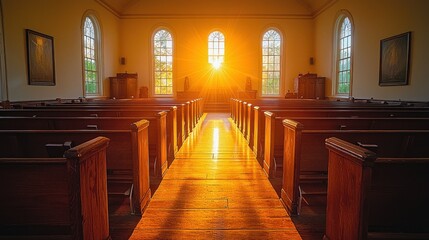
pixel 163 62
pixel 271 54
pixel 344 57
pixel 90 58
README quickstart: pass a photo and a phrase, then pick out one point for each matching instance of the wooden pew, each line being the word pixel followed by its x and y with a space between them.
pixel 195 105
pixel 158 144
pixel 306 158
pixel 250 125
pixel 134 107
pixel 127 156
pixel 370 196
pixel 272 104
pixel 185 120
pixel 323 108
pixel 116 110
pixel 56 198
pixel 260 118
pixel 274 138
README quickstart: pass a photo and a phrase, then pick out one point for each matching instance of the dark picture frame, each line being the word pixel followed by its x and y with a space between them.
pixel 395 60
pixel 40 58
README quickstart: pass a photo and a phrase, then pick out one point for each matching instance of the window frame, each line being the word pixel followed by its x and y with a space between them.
pixel 341 16
pixel 91 15
pixel 210 41
pixel 153 80
pixel 280 67
pixel 3 82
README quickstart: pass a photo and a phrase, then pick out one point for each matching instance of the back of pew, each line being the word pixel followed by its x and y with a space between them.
pixel 179 124
pixel 159 143
pixel 284 104
pixel 127 156
pixel 373 197
pixel 194 107
pixel 114 102
pixel 259 118
pixel 72 123
pixel 106 111
pixel 307 104
pixel 275 137
pixel 306 156
pixel 56 198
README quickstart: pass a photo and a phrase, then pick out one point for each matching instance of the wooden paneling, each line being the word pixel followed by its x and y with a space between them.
pixel 309 86
pixel 124 85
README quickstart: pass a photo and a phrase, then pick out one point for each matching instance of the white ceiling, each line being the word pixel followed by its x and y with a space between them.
pixel 136 8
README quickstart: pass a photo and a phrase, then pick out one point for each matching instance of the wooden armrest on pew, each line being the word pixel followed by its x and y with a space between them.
pixel 386 197
pixel 50 198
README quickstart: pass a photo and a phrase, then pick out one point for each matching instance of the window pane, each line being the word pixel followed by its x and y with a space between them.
pixel 271 60
pixel 90 58
pixel 163 59
pixel 344 56
pixel 216 47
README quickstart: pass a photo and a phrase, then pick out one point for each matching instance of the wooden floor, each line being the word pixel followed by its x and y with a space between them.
pixel 215 189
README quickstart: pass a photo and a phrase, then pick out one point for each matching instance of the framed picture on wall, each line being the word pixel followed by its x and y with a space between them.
pixel 40 58
pixel 395 60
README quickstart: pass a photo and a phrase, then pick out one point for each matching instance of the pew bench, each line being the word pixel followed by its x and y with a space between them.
pixel 274 154
pixel 158 140
pixel 127 157
pixel 375 197
pixel 259 118
pixel 56 198
pixel 171 118
pixel 188 112
pixel 239 115
pixel 305 154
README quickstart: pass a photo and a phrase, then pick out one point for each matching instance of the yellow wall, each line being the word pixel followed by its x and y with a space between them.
pixel 242 51
pixel 243 24
pixel 266 8
pixel 374 21
pixel 61 20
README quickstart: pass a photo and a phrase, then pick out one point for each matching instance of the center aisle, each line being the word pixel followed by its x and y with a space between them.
pixel 215 189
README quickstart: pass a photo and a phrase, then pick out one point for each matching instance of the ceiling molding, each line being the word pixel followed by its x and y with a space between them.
pixel 211 16
pixel 108 8
pixel 313 14
pixel 324 8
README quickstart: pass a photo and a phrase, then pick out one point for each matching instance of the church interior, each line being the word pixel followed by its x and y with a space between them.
pixel 227 119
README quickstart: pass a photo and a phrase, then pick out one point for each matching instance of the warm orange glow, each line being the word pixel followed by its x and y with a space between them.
pixel 216 64
pixel 217 77
pixel 215 145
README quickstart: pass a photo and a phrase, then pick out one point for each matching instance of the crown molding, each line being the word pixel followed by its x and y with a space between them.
pixel 324 8
pixel 108 8
pixel 314 14
pixel 213 16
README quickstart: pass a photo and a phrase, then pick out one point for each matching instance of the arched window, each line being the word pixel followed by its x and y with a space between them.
pixel 271 62
pixel 3 92
pixel 91 56
pixel 216 49
pixel 163 62
pixel 344 55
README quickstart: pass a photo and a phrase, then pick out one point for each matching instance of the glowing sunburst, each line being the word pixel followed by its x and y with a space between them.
pixel 216 64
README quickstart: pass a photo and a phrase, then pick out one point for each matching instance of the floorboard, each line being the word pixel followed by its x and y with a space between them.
pixel 215 189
